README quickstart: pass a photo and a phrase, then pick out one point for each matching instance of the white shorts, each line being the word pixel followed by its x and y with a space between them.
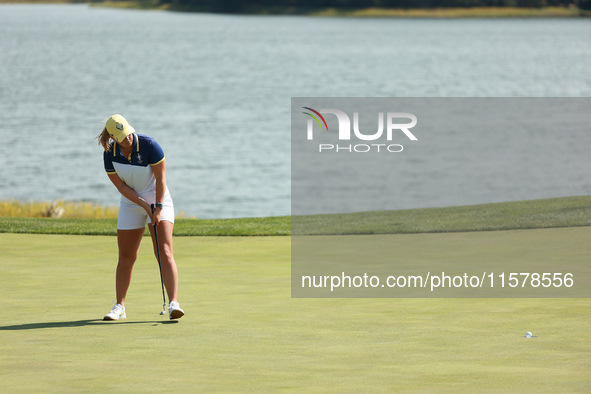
pixel 132 216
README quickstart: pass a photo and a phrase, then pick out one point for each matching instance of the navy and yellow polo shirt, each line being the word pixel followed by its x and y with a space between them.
pixel 136 170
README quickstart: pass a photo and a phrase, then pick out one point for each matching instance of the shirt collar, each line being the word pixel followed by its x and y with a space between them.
pixel 136 145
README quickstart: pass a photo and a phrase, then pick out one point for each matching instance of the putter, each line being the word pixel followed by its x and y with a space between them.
pixel 163 312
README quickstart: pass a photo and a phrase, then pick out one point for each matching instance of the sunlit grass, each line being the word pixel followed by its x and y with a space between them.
pixel 452 12
pixel 56 209
pixel 243 332
pixel 545 213
pixel 63 209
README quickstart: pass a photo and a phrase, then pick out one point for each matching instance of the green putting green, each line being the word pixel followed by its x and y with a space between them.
pixel 243 332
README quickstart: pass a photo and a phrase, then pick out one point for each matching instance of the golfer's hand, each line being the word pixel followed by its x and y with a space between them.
pixel 156 216
pixel 148 208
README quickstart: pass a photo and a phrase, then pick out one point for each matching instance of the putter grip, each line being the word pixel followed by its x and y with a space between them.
pixel 152 206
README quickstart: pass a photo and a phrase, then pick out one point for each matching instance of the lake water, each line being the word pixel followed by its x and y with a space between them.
pixel 215 91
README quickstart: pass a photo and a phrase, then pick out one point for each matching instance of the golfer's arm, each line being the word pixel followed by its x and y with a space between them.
pixel 160 175
pixel 128 192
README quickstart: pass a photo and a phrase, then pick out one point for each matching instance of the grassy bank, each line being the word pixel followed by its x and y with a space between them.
pixel 56 209
pixel 473 12
pixel 374 12
pixel 184 227
pixel 62 209
pixel 545 213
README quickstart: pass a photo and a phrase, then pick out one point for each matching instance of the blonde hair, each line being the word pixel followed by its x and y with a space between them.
pixel 104 139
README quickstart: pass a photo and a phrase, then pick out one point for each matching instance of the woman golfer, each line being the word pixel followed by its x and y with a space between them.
pixel 135 164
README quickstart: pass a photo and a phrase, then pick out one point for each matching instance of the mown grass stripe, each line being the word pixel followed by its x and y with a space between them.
pixel 531 214
pixel 545 213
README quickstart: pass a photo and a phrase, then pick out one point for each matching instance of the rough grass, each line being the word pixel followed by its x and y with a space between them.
pixel 456 12
pixel 545 213
pixel 61 209
pixel 182 227
pixel 58 208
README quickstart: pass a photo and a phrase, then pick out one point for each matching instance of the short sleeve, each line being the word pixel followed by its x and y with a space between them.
pixel 156 154
pixel 108 160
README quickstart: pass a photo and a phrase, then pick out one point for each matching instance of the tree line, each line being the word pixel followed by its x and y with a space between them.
pixel 238 6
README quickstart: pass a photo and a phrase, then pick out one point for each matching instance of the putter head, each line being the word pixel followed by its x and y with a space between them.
pixel 162 313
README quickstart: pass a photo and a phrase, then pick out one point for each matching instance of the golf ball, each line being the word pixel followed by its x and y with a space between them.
pixel 528 334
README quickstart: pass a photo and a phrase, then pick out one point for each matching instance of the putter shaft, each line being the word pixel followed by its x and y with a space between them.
pixel 159 266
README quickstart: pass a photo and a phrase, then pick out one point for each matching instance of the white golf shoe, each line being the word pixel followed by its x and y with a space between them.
pixel 175 311
pixel 117 313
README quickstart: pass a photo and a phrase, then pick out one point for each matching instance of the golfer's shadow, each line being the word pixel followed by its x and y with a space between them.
pixel 79 323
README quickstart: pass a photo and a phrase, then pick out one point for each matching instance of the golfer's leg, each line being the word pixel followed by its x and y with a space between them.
pixel 169 270
pixel 129 243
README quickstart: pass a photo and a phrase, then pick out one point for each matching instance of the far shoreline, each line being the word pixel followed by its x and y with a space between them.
pixel 435 13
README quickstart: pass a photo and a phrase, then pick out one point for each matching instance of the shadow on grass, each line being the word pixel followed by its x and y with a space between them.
pixel 79 323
